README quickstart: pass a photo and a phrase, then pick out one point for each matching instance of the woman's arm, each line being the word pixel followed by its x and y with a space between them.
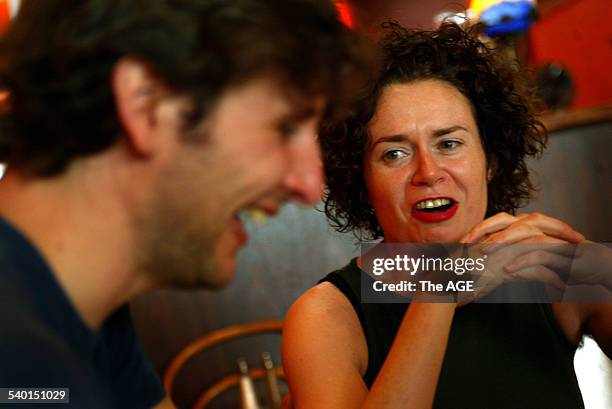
pixel 325 355
pixel 415 359
pixel 574 319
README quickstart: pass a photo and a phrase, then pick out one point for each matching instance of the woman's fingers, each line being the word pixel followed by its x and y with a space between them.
pixel 505 228
pixel 490 225
pixel 539 273
pixel 541 239
pixel 546 257
pixel 542 265
pixel 551 227
pixel 514 234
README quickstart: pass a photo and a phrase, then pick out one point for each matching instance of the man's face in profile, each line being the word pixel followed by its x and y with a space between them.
pixel 254 150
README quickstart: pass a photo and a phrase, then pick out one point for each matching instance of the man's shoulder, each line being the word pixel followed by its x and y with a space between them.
pixel 33 355
pixel 134 381
pixel 30 348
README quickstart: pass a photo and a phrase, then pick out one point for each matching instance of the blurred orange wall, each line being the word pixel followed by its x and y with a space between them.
pixel 578 35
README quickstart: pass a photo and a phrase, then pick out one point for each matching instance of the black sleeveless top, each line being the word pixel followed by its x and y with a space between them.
pixel 499 356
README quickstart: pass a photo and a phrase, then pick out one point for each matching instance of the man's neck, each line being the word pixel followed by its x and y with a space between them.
pixel 85 237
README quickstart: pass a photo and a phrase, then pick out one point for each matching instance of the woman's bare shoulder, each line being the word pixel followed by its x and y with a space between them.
pixel 323 297
pixel 323 320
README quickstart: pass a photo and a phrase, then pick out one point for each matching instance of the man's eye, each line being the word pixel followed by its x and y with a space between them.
pixel 287 129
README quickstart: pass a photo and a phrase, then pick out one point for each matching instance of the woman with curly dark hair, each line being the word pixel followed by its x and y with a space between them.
pixel 435 153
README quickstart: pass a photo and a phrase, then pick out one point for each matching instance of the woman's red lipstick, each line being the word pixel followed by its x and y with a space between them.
pixel 433 217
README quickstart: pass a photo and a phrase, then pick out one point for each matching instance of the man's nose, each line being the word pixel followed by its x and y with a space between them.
pixel 304 180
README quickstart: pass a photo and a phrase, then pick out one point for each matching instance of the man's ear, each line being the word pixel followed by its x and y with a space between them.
pixel 137 92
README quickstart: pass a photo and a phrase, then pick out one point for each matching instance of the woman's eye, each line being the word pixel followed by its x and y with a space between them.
pixel 393 155
pixel 449 144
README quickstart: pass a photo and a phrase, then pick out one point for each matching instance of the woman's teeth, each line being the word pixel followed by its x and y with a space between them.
pixel 433 204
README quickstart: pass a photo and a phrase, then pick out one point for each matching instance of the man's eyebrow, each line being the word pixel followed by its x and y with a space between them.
pixel 446 131
pixel 300 113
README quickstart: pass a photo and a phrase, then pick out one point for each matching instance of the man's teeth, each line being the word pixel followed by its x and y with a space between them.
pixel 432 204
pixel 257 216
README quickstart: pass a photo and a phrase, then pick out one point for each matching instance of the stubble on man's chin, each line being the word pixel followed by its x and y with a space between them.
pixel 179 259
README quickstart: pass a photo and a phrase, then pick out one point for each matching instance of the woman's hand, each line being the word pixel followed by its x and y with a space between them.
pixel 587 263
pixel 561 256
pixel 523 228
pixel 532 239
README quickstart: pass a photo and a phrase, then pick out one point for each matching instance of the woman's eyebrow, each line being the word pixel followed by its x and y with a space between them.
pixel 403 138
pixel 391 138
pixel 451 129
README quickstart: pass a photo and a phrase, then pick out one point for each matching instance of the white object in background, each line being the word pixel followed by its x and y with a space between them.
pixel 1 170
pixel 594 372
pixel 13 7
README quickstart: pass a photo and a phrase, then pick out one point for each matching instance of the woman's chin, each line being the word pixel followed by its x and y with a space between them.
pixel 440 236
pixel 431 234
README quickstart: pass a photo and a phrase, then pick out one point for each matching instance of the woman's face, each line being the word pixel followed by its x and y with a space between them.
pixel 424 166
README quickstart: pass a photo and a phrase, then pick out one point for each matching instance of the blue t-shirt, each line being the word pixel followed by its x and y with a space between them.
pixel 45 344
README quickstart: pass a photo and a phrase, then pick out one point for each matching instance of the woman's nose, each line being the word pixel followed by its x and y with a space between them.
pixel 427 172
